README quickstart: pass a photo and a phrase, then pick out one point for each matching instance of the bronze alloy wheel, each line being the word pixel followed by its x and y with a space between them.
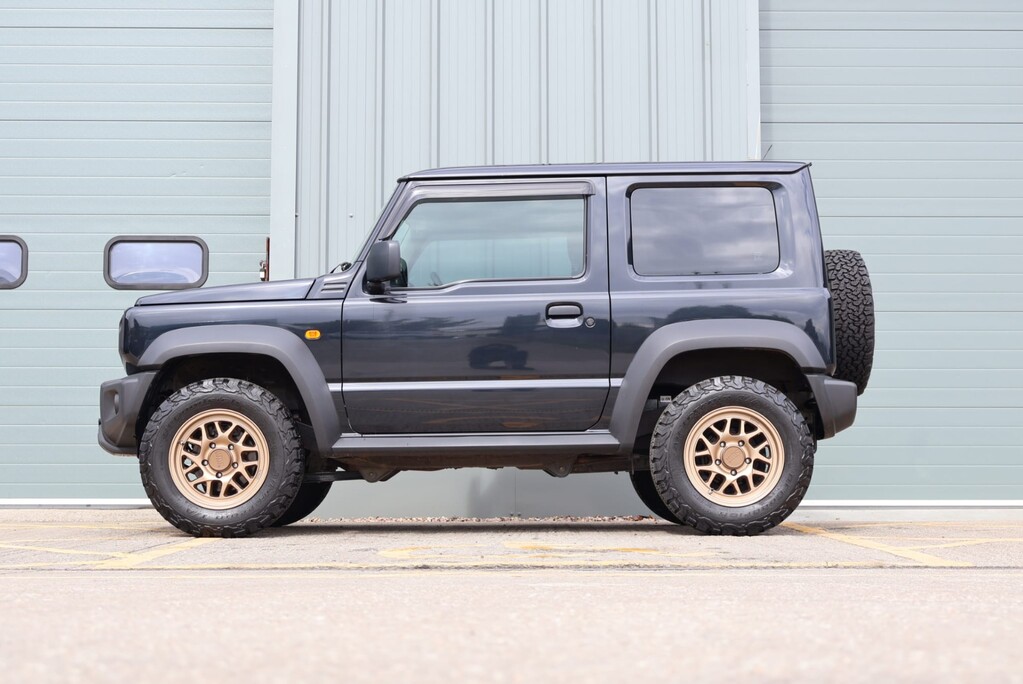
pixel 218 459
pixel 734 456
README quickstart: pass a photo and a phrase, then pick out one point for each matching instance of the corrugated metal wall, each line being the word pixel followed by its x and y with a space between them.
pixel 392 86
pixel 912 112
pixel 115 118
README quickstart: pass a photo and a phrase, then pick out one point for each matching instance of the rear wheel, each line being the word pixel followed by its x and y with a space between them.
pixel 310 496
pixel 221 457
pixel 731 455
pixel 643 483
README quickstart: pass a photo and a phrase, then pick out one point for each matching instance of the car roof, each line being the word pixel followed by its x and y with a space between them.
pixel 604 169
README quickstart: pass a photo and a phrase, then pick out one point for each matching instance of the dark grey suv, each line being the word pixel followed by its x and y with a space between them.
pixel 681 323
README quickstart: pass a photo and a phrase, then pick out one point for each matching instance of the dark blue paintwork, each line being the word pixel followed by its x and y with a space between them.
pixel 481 331
pixel 143 324
pixel 398 361
pixel 277 290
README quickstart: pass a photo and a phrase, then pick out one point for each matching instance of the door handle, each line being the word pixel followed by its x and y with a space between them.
pixel 564 310
pixel 564 315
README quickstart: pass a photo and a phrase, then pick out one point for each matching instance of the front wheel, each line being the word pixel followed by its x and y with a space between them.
pixel 731 455
pixel 221 457
pixel 310 496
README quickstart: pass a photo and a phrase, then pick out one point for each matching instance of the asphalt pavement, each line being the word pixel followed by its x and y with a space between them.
pixel 119 595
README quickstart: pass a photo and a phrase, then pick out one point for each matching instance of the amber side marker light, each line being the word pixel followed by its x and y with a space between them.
pixel 312 334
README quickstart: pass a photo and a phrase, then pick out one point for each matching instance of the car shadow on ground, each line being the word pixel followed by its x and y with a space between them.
pixel 646 528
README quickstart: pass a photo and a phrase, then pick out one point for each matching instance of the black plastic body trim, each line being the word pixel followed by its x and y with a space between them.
pixel 260 340
pixel 610 169
pixel 836 403
pixel 676 338
pixel 120 402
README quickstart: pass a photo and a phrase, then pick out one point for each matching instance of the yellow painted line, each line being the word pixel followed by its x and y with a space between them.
pixel 79 526
pixel 533 551
pixel 56 564
pixel 134 560
pixel 48 540
pixel 51 549
pixel 913 555
pixel 967 542
pixel 497 563
pixel 938 523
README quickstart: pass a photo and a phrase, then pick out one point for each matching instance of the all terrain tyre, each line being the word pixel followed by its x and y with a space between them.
pixel 853 304
pixel 221 457
pixel 310 496
pixel 643 483
pixel 731 455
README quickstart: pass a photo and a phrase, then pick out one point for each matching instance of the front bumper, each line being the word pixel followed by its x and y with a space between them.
pixel 119 404
pixel 836 402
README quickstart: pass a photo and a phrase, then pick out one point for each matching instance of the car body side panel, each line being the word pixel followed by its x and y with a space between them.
pixel 794 293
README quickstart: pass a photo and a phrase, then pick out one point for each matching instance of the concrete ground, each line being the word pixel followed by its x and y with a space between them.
pixel 98 595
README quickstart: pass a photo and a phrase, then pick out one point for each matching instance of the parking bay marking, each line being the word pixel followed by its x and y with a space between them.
pixel 138 558
pixel 914 555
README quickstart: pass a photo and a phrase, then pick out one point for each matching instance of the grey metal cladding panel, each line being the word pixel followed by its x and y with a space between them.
pixel 389 88
pixel 910 112
pixel 115 118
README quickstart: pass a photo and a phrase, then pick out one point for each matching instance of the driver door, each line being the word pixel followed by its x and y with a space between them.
pixel 501 320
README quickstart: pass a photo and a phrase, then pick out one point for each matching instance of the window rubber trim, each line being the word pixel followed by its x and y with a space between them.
pixel 13 285
pixel 156 238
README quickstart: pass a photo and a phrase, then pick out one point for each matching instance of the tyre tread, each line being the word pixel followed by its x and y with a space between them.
pixel 853 306
pixel 293 458
pixel 660 455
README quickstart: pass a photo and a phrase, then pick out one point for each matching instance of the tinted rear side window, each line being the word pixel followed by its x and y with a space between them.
pixel 720 230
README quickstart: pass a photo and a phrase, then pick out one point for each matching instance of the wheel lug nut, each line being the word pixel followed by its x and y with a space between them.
pixel 235 464
pixel 717 462
pixel 749 460
pixel 733 473
pixel 742 443
pixel 722 445
pixel 205 463
pixel 230 447
pixel 219 474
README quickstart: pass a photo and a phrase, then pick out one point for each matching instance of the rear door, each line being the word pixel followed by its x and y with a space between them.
pixel 502 322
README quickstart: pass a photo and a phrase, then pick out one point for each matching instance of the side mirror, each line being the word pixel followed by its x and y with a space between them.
pixel 384 262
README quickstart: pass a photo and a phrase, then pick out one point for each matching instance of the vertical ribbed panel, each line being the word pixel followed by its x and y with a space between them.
pixel 391 86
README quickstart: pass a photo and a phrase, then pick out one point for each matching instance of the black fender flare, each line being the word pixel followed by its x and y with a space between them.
pixel 260 340
pixel 676 338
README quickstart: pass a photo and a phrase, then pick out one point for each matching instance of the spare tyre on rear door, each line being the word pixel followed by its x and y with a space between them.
pixel 853 304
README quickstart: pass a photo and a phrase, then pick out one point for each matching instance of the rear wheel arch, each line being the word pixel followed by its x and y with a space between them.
pixel 681 354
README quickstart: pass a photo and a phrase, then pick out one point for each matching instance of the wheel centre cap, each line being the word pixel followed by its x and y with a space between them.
pixel 733 458
pixel 219 459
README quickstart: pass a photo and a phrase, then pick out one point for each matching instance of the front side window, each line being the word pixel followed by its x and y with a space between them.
pixel 13 262
pixel 451 241
pixel 155 263
pixel 701 230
